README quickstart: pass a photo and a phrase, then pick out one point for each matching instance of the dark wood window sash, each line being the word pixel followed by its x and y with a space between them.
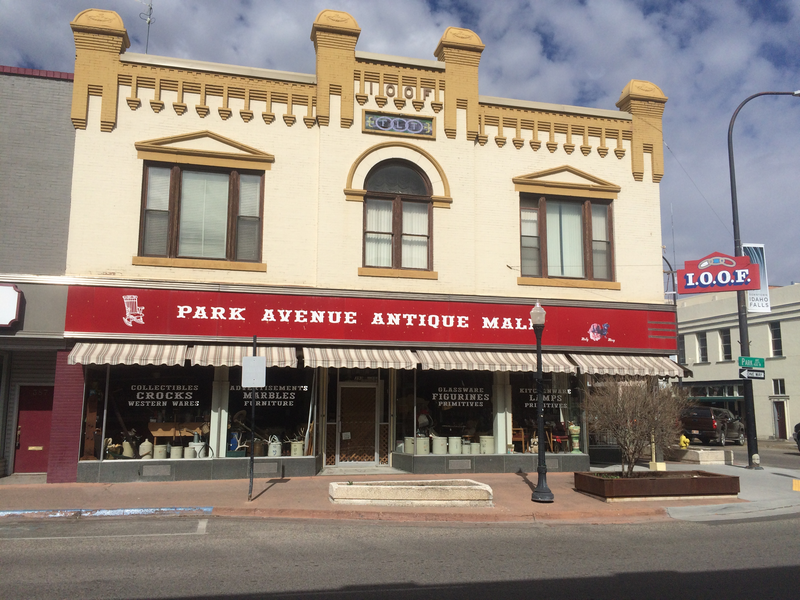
pixel 397 228
pixel 174 210
pixel 588 257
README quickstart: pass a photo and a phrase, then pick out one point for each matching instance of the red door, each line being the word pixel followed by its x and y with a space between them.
pixel 33 428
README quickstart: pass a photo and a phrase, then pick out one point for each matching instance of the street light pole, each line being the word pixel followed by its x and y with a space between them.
pixel 744 336
pixel 542 493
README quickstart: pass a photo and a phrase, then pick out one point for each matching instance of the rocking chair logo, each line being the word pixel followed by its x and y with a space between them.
pixel 133 312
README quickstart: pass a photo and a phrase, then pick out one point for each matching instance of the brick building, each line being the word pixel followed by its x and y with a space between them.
pixel 36 150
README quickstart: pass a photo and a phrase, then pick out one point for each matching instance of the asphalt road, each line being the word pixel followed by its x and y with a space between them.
pixel 247 559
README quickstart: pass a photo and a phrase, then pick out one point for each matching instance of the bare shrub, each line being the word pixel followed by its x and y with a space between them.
pixel 632 411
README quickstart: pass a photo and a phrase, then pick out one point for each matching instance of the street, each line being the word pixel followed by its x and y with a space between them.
pixel 778 454
pixel 241 558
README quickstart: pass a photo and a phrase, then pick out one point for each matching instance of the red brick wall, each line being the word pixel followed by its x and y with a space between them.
pixel 65 434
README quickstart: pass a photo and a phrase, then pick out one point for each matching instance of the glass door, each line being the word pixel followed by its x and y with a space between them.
pixel 357 439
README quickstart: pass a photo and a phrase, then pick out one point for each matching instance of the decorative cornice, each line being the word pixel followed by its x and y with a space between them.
pixel 591 186
pixel 161 149
pixel 189 285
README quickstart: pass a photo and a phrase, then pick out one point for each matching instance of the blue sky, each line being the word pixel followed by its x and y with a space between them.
pixel 707 56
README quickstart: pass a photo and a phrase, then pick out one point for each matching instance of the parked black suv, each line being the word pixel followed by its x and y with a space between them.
pixel 712 425
pixel 797 435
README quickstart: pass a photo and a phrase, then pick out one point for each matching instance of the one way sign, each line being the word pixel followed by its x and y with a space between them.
pixel 751 374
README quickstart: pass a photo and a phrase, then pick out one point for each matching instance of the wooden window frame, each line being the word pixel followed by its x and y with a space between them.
pixel 174 207
pixel 702 347
pixel 529 201
pixel 397 218
pixel 725 345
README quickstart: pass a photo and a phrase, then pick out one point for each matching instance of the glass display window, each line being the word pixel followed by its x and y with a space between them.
pixel 454 403
pixel 560 399
pixel 283 411
pixel 155 404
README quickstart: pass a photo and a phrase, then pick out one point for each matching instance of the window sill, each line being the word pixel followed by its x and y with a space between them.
pixel 196 263
pixel 397 273
pixel 776 358
pixel 569 283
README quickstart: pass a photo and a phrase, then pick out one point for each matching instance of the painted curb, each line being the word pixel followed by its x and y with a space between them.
pixel 107 512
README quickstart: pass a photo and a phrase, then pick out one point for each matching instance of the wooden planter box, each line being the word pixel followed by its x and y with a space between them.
pixel 657 484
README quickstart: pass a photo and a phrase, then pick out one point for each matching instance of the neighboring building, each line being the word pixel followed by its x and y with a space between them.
pixel 380 227
pixel 709 338
pixel 36 150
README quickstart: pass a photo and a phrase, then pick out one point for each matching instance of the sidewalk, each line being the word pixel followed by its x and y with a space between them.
pixel 763 493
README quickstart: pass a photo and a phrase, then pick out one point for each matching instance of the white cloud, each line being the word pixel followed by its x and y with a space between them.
pixel 706 55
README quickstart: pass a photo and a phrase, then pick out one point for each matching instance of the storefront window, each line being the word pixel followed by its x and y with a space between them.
pixel 455 404
pixel 561 400
pixel 150 411
pixel 404 408
pixel 283 413
pixel 93 408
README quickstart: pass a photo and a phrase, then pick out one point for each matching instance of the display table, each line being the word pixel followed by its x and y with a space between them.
pixel 173 430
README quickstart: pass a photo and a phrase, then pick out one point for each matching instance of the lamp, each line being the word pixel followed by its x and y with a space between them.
pixel 741 300
pixel 542 493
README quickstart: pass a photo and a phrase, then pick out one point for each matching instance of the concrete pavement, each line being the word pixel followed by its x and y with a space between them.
pixel 768 492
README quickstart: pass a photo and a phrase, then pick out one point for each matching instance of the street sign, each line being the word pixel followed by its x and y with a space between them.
pixel 751 362
pixel 751 374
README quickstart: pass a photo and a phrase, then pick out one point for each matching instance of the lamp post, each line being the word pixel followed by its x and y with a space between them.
pixel 542 493
pixel 753 459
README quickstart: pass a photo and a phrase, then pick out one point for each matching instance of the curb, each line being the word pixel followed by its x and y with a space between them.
pixel 78 513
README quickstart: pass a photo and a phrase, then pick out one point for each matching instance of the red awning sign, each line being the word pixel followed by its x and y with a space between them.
pixel 718 273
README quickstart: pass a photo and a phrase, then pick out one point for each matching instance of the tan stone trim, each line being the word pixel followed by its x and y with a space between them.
pixel 569 283
pixel 159 149
pixel 352 193
pixel 194 263
pixel 396 273
pixel 594 187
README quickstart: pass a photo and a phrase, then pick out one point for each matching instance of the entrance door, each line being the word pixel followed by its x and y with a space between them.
pixel 357 424
pixel 33 428
pixel 780 419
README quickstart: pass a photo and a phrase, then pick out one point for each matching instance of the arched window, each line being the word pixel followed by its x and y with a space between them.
pixel 397 218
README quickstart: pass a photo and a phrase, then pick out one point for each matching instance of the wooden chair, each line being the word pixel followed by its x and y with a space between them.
pixel 518 435
pixel 559 436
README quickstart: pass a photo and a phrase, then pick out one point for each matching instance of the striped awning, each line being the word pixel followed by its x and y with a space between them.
pixel 127 354
pixel 231 356
pixel 453 360
pixel 605 364
pixel 360 358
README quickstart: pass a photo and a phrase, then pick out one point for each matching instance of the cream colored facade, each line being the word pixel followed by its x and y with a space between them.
pixel 312 136
pixel 305 131
pixel 713 314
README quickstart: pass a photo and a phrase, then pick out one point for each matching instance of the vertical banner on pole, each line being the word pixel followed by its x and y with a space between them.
pixel 758 300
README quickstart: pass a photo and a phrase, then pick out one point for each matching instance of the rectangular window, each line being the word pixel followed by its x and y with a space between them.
pixel 681 350
pixel 529 242
pixel 775 336
pixel 702 347
pixel 198 213
pixel 725 344
pixel 397 234
pixel 778 387
pixel 601 244
pixel 565 237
